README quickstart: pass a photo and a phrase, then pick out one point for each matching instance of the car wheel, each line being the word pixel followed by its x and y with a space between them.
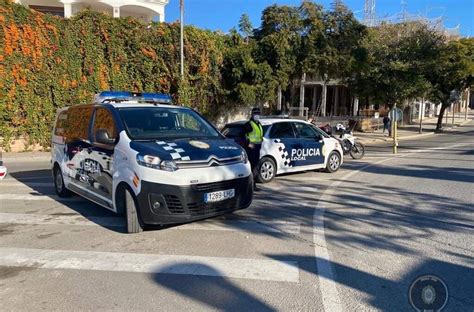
pixel 266 170
pixel 134 224
pixel 334 162
pixel 59 185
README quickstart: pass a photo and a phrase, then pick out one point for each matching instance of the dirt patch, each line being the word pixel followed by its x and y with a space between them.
pixel 6 229
pixel 10 272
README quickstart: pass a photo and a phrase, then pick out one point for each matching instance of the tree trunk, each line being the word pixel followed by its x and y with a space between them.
pixel 439 125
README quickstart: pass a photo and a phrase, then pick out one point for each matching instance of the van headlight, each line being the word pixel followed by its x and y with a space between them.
pixel 243 157
pixel 156 163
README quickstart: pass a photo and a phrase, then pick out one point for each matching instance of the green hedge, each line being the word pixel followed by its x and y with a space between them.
pixel 48 62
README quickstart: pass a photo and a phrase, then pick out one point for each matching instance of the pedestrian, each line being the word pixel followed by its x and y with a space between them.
pixel 254 138
pixel 386 121
pixel 389 126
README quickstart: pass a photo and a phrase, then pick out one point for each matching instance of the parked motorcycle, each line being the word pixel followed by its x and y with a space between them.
pixel 350 144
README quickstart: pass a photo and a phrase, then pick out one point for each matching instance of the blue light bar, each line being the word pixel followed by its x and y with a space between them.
pixel 132 96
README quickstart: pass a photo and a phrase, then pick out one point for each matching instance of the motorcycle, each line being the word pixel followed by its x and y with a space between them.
pixel 350 144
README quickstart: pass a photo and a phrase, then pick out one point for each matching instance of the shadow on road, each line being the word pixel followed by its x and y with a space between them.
pixel 212 290
pixel 40 183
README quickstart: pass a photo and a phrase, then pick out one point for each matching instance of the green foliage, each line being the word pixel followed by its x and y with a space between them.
pixel 247 80
pixel 453 70
pixel 396 56
pixel 279 42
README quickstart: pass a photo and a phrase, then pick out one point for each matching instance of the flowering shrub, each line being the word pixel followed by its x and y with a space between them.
pixel 47 62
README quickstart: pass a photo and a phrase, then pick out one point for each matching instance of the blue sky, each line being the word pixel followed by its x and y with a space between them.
pixel 225 14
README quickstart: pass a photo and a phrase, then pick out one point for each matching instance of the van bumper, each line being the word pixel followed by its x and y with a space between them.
pixel 161 204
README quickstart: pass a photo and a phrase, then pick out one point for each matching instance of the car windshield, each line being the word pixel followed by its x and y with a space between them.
pixel 156 123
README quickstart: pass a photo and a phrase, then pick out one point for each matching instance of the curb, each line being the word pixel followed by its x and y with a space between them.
pixel 25 157
pixel 408 137
pixel 389 139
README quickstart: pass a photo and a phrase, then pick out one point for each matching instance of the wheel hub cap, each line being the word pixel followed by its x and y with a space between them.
pixel 267 171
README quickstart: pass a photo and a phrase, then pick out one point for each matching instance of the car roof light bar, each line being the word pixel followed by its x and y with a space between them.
pixel 123 96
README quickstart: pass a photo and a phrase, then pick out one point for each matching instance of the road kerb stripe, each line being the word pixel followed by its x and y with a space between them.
pixel 254 269
pixel 26 184
pixel 39 197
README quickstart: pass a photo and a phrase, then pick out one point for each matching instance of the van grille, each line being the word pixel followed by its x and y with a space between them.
pixel 174 204
pixel 216 186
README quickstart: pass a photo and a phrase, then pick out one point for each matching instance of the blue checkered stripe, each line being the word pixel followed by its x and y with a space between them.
pixel 283 153
pixel 176 153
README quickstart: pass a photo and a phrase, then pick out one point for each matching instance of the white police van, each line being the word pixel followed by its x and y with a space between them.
pixel 291 145
pixel 157 163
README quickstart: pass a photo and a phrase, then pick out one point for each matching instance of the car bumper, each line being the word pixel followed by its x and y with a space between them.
pixel 161 204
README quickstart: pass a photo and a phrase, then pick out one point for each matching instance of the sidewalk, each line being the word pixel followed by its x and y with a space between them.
pixel 412 131
pixel 24 157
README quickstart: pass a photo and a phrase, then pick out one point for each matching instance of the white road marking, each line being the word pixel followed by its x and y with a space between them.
pixel 327 282
pixel 75 219
pixel 30 197
pixel 208 225
pixel 255 269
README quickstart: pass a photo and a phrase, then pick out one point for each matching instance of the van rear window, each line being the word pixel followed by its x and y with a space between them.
pixel 61 122
pixel 77 125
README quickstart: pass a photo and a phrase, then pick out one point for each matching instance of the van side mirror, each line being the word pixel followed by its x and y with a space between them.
pixel 102 137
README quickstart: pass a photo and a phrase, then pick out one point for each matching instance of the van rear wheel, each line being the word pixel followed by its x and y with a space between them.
pixel 59 185
pixel 134 224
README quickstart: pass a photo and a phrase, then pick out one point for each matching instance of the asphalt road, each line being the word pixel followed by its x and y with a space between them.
pixel 353 240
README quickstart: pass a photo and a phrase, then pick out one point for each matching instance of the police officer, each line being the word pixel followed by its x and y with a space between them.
pixel 254 136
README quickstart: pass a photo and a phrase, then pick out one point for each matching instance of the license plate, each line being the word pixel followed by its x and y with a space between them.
pixel 219 196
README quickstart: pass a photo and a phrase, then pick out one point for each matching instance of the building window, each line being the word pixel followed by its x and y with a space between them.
pixel 58 11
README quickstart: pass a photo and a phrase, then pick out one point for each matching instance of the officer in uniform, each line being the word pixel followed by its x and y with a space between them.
pixel 254 136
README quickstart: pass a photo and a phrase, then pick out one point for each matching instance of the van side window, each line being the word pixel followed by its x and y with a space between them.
pixel 77 125
pixel 61 123
pixel 104 120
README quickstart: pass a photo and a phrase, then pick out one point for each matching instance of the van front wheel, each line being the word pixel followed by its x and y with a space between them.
pixel 134 224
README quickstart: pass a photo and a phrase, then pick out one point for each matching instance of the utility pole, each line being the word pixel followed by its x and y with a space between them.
pixel 468 101
pixel 422 109
pixel 453 108
pixel 394 121
pixel 181 48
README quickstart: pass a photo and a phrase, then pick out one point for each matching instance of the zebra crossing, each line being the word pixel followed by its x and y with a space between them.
pixel 245 268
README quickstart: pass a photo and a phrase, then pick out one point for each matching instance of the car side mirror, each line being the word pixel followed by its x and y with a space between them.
pixel 102 137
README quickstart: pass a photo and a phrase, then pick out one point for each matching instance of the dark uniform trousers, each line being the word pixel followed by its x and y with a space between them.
pixel 253 152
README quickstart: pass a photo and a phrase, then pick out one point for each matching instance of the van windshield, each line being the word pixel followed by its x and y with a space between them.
pixel 156 123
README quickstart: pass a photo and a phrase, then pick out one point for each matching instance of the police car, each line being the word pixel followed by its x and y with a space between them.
pixel 290 145
pixel 157 163
pixel 3 171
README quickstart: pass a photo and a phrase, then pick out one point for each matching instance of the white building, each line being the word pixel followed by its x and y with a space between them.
pixel 146 10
